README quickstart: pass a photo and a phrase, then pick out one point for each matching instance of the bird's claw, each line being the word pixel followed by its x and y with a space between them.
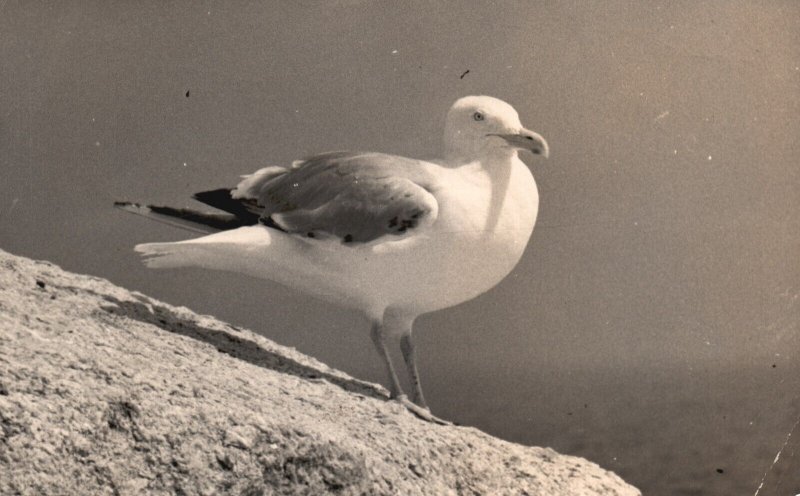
pixel 421 412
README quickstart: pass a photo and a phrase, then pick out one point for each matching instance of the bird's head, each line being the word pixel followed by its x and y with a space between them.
pixel 478 126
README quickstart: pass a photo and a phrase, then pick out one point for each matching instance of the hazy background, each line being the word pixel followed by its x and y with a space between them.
pixel 652 325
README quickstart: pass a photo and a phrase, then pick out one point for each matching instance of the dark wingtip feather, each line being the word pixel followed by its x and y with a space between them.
pixel 212 196
pixel 220 222
pixel 191 220
pixel 221 199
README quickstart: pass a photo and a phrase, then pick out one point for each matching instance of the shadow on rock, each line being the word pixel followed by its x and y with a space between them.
pixel 232 345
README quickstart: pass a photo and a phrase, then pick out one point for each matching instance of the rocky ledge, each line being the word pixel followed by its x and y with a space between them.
pixel 107 391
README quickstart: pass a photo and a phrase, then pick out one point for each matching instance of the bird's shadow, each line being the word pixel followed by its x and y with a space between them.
pixel 235 346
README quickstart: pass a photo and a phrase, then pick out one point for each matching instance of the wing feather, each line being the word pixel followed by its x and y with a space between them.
pixel 357 197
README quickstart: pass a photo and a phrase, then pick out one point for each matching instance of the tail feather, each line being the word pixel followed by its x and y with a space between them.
pixel 226 250
pixel 224 234
pixel 163 255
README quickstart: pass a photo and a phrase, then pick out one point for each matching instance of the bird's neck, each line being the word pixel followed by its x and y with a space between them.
pixel 497 164
pixel 498 167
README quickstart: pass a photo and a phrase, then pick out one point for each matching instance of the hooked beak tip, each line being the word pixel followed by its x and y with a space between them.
pixel 527 140
pixel 535 143
pixel 543 151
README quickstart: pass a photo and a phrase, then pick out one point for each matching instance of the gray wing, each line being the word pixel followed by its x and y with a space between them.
pixel 357 197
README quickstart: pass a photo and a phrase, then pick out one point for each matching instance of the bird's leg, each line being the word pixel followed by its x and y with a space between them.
pixel 407 347
pixel 393 324
pixel 379 338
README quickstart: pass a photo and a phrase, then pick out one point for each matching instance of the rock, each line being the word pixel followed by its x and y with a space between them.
pixel 107 391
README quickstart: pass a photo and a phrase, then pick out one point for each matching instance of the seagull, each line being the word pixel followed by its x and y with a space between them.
pixel 389 236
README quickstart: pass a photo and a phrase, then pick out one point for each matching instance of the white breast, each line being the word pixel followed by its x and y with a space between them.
pixel 461 257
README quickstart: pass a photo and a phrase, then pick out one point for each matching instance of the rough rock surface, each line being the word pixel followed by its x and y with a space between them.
pixel 106 391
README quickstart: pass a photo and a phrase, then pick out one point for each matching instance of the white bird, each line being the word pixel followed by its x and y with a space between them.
pixel 389 236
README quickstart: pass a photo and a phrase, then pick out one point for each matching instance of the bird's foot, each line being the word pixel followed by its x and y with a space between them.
pixel 421 412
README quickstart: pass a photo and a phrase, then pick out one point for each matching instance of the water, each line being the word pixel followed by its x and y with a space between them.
pixel 668 432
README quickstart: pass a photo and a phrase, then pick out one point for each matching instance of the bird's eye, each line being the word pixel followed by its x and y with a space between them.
pixel 477 116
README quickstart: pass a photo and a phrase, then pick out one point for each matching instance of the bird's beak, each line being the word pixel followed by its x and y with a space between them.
pixel 527 140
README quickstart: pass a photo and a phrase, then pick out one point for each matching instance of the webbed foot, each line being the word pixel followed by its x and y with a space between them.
pixel 420 412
